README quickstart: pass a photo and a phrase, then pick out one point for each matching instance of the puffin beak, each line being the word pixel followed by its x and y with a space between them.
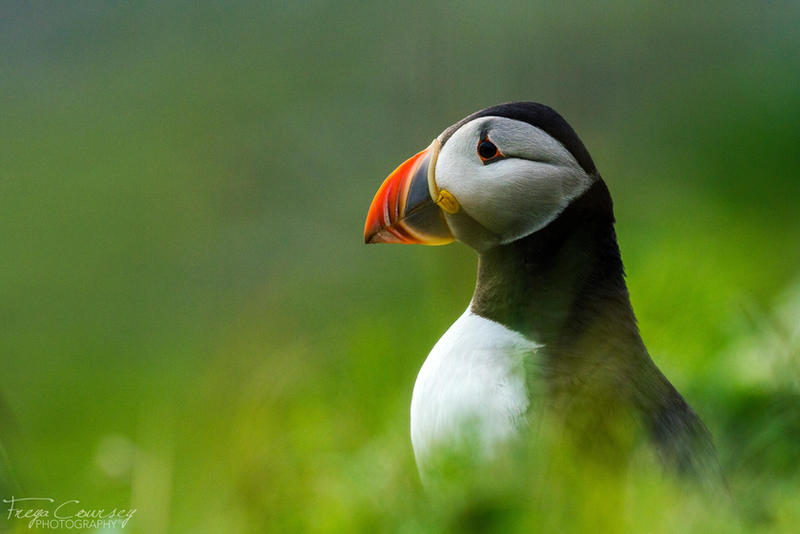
pixel 403 210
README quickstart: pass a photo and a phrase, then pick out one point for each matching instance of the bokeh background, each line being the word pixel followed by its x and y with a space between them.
pixel 191 326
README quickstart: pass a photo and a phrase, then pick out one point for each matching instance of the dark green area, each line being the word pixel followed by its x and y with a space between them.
pixel 191 325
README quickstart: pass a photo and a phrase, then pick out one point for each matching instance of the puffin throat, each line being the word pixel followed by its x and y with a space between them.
pixel 556 283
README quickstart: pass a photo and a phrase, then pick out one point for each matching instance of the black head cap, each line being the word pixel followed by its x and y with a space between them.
pixel 543 117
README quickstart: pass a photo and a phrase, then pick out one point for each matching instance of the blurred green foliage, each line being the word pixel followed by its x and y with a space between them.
pixel 191 325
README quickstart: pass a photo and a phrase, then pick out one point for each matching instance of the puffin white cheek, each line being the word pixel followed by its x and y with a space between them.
pixel 522 202
pixel 510 198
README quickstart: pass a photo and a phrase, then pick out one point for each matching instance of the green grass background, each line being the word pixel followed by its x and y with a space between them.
pixel 191 326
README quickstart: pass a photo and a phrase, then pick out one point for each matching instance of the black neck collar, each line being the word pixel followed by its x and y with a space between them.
pixel 556 284
pixel 564 287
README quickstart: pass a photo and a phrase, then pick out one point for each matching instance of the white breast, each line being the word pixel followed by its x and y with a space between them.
pixel 471 387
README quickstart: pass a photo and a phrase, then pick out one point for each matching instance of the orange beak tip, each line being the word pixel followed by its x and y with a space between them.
pixel 391 219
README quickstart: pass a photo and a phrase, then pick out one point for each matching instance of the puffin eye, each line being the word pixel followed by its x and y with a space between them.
pixel 487 151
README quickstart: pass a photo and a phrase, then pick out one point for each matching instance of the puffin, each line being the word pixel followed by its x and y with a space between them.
pixel 550 326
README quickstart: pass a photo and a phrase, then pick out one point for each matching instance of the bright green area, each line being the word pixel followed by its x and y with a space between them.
pixel 191 325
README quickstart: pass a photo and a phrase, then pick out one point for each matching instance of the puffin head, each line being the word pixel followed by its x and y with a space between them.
pixel 496 176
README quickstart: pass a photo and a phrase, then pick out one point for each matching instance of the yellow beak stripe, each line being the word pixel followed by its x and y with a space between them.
pixel 447 201
pixel 444 198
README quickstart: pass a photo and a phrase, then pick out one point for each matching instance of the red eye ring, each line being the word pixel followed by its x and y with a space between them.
pixel 488 151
